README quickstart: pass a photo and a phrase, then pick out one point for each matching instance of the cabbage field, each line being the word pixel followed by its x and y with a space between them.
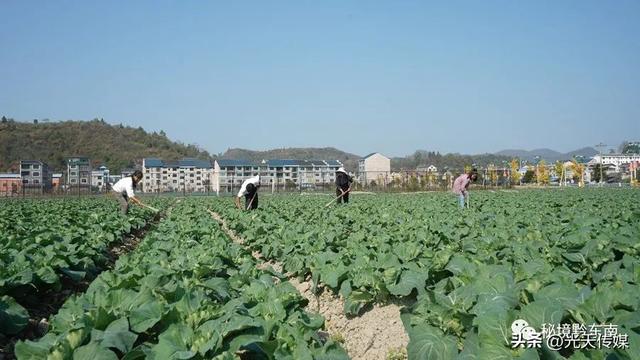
pixel 191 290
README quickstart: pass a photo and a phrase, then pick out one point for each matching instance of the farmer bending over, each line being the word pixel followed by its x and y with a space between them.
pixel 461 185
pixel 249 190
pixel 343 185
pixel 123 191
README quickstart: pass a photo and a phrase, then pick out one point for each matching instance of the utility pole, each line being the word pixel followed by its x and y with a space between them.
pixel 600 146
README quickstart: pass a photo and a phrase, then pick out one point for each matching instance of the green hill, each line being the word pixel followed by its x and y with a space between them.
pixel 116 146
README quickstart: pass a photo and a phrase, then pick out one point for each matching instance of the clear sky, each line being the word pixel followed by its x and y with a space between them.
pixel 389 76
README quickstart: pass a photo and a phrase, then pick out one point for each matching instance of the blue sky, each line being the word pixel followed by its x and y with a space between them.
pixel 389 76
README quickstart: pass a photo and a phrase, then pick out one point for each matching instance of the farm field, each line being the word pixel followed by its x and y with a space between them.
pixel 51 247
pixel 253 286
pixel 566 256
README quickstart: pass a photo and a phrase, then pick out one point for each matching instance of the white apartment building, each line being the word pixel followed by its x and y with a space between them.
pixel 231 173
pixel 100 178
pixel 617 160
pixel 186 175
pixel 374 167
pixel 276 173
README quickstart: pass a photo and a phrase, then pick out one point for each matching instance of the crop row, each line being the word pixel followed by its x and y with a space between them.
pixel 44 241
pixel 186 292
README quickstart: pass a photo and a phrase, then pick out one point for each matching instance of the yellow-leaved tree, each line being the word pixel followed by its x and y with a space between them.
pixel 559 169
pixel 542 175
pixel 578 172
pixel 515 171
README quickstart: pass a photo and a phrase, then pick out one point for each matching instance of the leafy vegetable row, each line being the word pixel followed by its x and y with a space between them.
pixel 187 292
pixel 44 240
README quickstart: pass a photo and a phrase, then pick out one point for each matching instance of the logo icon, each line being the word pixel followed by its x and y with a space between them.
pixel 523 335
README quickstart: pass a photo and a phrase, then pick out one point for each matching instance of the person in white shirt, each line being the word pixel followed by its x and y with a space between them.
pixel 123 191
pixel 249 190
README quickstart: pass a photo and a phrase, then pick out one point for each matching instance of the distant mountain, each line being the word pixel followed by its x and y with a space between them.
pixel 585 151
pixel 328 153
pixel 115 146
pixel 547 154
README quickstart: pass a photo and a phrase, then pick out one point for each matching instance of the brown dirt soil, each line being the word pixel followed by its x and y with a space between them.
pixel 371 336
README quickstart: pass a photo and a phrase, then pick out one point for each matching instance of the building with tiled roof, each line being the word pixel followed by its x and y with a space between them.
pixel 276 173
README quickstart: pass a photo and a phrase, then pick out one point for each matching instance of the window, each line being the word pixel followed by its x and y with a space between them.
pixel 73 181
pixel 99 177
pixel 36 181
pixel 84 181
pixel 175 181
pixel 26 166
pixel 25 173
pixel 198 178
pixel 73 173
pixel 36 167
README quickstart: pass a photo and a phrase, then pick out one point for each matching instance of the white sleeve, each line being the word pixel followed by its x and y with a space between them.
pixel 243 189
pixel 129 188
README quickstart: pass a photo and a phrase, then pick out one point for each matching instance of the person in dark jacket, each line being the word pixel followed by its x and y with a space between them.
pixel 249 190
pixel 343 185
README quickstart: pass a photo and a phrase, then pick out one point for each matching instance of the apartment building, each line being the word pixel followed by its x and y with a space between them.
pixel 374 167
pixel 186 175
pixel 35 176
pixel 79 172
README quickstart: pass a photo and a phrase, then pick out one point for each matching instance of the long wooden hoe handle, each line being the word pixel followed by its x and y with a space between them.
pixel 339 196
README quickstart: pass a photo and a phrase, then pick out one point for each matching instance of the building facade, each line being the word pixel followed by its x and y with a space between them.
pixel 276 173
pixel 100 179
pixel 186 175
pixel 616 160
pixel 423 170
pixel 10 184
pixel 374 167
pixel 79 173
pixel 231 173
pixel 35 176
